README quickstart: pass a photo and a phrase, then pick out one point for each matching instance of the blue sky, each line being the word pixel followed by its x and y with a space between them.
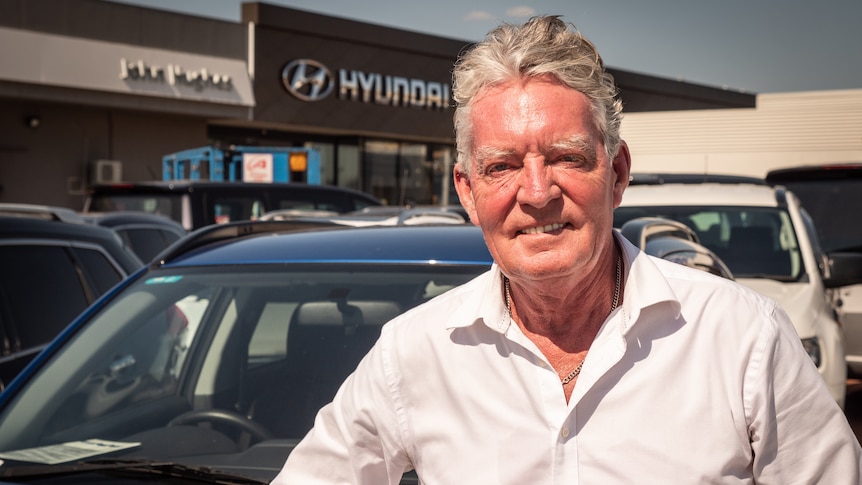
pixel 754 46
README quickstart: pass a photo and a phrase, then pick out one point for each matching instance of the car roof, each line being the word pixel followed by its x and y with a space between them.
pixel 121 219
pixel 267 243
pixel 386 215
pixel 808 173
pixel 745 195
pixel 27 228
pixel 37 211
pixel 180 186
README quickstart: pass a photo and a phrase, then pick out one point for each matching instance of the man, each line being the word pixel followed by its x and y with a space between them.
pixel 577 358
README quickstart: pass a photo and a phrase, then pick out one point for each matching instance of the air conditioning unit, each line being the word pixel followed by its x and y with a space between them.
pixel 106 172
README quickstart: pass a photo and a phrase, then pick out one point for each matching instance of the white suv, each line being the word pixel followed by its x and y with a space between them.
pixel 769 243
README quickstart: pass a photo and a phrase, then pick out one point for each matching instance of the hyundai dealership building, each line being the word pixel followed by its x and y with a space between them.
pixel 93 91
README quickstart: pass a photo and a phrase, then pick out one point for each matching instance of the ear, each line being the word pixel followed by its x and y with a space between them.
pixel 622 166
pixel 465 193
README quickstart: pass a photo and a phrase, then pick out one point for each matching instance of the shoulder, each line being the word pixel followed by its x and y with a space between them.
pixel 430 323
pixel 696 284
pixel 454 307
pixel 720 307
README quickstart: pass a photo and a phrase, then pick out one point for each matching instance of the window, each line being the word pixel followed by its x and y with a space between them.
pixel 100 271
pixel 403 173
pixel 169 205
pixel 237 208
pixel 43 292
pixel 148 242
pixel 752 241
pixel 824 199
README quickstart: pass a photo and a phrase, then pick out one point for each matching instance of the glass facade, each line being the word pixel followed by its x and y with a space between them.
pixel 397 172
pixel 404 173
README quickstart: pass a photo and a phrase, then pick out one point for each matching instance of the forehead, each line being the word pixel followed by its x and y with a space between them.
pixel 539 110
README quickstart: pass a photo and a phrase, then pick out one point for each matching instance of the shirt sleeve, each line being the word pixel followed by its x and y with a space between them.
pixel 355 438
pixel 798 432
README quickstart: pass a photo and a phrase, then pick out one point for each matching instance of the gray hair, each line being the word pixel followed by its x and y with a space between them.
pixel 540 47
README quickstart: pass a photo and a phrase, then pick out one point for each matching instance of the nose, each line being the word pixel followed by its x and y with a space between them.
pixel 537 183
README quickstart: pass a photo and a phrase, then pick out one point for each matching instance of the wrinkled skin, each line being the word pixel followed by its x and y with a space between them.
pixel 543 190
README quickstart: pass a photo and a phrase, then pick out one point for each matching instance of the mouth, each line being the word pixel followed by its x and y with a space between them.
pixel 543 229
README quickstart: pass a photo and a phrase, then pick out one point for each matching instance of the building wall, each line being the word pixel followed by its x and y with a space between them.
pixel 52 162
pixel 127 24
pixel 785 129
pixel 68 77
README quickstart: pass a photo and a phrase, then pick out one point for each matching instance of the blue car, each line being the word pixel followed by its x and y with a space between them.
pixel 212 361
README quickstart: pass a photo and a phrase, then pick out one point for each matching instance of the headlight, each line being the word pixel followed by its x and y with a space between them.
pixel 812 348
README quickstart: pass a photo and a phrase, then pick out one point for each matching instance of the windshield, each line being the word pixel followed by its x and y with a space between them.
pixel 253 351
pixel 169 205
pixel 754 242
pixel 826 200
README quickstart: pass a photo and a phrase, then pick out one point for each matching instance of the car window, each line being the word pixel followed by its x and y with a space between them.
pixel 40 291
pixel 821 198
pixel 272 343
pixel 169 205
pixel 147 242
pixel 313 200
pixel 304 205
pixel 752 241
pixel 236 208
pixel 100 271
pixel 267 343
pixel 811 233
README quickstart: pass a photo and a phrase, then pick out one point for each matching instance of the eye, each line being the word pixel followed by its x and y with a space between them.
pixel 571 158
pixel 574 160
pixel 496 167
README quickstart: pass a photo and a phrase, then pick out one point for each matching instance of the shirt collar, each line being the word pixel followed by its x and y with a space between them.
pixel 485 303
pixel 644 286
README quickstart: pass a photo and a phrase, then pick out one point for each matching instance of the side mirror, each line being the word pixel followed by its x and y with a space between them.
pixel 844 269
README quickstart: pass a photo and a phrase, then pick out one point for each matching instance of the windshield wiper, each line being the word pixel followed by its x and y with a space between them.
pixel 132 467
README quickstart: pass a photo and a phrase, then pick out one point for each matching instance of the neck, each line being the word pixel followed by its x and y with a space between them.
pixel 566 319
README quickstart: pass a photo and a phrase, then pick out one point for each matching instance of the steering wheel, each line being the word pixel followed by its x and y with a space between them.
pixel 230 418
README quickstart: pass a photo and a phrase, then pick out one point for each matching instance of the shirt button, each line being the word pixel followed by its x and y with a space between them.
pixel 564 433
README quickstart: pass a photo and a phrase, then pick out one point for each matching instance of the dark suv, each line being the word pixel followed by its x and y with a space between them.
pixel 146 234
pixel 50 271
pixel 195 204
pixel 832 194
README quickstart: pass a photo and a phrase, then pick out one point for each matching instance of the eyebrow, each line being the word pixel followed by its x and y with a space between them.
pixel 483 154
pixel 576 142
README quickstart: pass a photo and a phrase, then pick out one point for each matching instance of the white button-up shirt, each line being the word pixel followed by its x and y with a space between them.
pixel 694 379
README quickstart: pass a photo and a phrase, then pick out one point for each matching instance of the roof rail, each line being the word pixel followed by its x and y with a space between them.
pixel 435 214
pixel 46 212
pixel 232 230
pixel 692 178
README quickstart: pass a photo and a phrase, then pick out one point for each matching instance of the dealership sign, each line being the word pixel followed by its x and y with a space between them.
pixel 310 80
pixel 174 75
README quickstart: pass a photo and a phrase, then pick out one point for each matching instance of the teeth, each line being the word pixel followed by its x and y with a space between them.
pixel 542 229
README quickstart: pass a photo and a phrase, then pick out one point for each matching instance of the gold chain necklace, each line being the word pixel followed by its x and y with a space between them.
pixel 614 304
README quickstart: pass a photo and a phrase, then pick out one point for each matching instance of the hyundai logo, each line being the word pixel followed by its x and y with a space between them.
pixel 307 79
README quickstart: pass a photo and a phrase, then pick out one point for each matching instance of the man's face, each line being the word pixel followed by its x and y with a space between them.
pixel 541 185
